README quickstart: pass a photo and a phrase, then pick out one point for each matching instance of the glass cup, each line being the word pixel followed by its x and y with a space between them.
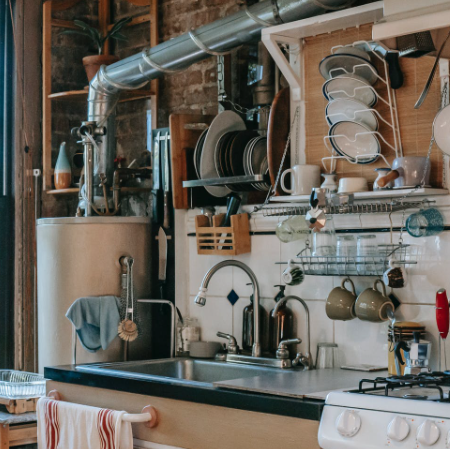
pixel 326 357
pixel 367 252
pixel 324 241
pixel 346 246
pixel 425 223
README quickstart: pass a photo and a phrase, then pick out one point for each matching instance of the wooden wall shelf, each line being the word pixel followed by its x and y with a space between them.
pixel 104 24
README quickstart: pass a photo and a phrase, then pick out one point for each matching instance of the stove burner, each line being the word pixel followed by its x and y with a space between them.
pixel 419 397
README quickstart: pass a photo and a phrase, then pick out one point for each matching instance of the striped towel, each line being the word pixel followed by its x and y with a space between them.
pixel 63 425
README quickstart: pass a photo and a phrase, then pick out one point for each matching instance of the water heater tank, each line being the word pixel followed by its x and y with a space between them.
pixel 79 257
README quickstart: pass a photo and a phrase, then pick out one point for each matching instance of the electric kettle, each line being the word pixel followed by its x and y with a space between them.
pixel 417 353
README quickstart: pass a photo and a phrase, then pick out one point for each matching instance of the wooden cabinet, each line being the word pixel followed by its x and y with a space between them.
pixel 199 426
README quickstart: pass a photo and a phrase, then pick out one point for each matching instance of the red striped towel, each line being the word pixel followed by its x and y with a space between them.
pixel 63 425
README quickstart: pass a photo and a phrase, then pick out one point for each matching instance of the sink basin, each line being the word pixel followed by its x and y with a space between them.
pixel 179 370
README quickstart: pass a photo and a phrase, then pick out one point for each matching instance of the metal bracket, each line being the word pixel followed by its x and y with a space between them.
pixel 206 49
pixel 156 66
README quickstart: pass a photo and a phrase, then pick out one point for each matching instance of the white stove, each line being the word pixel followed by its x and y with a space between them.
pixel 410 412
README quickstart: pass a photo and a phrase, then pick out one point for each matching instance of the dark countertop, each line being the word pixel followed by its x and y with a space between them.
pixel 277 399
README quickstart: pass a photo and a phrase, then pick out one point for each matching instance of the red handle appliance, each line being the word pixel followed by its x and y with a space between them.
pixel 442 312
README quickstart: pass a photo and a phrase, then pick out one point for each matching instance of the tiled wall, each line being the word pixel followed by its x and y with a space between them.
pixel 359 342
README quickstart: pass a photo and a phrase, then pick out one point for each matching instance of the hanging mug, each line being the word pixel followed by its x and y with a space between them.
pixel 394 277
pixel 341 302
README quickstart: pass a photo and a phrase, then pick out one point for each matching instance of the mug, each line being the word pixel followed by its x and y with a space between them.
pixel 372 305
pixel 352 185
pixel 292 275
pixel 303 179
pixel 341 302
pixel 394 277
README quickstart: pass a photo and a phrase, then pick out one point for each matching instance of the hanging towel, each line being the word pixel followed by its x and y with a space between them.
pixel 96 320
pixel 63 425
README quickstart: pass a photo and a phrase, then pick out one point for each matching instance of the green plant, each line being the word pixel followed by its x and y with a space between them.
pixel 96 37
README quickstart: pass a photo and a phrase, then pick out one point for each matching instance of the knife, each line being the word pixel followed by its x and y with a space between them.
pixel 162 247
pixel 166 164
pixel 156 166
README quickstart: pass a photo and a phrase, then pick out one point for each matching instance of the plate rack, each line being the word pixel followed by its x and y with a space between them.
pixel 376 265
pixel 362 208
pixel 391 103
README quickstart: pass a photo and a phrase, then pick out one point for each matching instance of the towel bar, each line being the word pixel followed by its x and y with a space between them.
pixel 149 415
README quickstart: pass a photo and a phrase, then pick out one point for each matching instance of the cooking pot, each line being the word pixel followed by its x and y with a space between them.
pixel 408 172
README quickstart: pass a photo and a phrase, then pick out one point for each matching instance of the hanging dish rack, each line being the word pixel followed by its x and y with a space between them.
pixel 363 208
pixel 391 103
pixel 375 265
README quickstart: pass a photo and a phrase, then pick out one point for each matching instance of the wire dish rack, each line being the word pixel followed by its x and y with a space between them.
pixel 375 265
pixel 21 385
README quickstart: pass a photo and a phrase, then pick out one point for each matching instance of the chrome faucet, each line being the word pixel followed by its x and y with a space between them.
pixel 200 299
pixel 300 359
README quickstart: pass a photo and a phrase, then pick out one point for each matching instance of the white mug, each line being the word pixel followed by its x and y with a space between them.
pixel 303 179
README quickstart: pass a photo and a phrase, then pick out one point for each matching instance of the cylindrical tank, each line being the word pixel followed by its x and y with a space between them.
pixel 79 257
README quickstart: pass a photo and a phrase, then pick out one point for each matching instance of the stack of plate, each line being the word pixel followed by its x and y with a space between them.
pixel 350 77
pixel 227 149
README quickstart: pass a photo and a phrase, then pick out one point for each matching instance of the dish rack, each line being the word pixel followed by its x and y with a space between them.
pixel 223 241
pixel 363 208
pixel 374 265
pixel 21 385
pixel 391 103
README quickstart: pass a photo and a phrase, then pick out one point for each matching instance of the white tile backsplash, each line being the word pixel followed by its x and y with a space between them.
pixel 359 342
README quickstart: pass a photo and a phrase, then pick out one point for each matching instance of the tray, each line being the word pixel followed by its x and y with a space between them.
pixel 21 385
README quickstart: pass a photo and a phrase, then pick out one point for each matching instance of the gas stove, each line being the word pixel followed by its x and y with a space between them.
pixel 400 411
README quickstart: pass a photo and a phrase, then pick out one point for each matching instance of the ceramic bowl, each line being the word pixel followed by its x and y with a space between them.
pixel 347 109
pixel 346 86
pixel 353 185
pixel 355 142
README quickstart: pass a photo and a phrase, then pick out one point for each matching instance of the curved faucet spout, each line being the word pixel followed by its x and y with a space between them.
pixel 305 360
pixel 200 299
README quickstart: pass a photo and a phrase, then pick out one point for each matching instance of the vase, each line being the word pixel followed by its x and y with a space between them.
pixel 63 170
pixel 329 182
pixel 93 63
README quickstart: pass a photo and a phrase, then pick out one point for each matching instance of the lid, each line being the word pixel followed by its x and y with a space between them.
pixel 408 325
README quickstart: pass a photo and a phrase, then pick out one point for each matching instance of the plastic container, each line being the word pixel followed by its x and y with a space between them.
pixel 21 385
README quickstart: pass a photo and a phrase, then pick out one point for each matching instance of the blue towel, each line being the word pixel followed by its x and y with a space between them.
pixel 96 320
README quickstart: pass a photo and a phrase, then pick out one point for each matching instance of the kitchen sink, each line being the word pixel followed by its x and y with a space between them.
pixel 178 370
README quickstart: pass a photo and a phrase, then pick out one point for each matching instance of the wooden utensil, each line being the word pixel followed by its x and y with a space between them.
pixel 277 134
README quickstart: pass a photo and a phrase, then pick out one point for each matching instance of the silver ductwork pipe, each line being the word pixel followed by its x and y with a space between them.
pixel 180 53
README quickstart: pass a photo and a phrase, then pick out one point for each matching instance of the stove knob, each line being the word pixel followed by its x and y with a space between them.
pixel 348 423
pixel 428 433
pixel 398 429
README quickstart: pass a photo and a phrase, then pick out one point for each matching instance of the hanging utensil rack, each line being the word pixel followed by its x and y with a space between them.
pixel 376 265
pixel 391 103
pixel 362 208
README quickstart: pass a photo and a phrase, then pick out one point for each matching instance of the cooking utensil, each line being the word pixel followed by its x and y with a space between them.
pixel 415 45
pixel 127 329
pixel 277 135
pixel 426 89
pixel 233 203
pixel 162 268
pixel 156 173
pixel 442 321
pixel 391 57
pixel 166 162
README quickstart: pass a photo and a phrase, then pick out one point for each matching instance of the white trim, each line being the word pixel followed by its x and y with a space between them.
pixel 141 444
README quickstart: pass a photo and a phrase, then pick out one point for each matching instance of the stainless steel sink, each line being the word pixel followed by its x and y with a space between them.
pixel 179 370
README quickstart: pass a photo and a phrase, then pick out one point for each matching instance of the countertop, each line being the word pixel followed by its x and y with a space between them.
pixel 298 394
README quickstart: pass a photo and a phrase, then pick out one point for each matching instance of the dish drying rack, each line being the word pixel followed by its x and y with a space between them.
pixel 393 123
pixel 363 208
pixel 375 265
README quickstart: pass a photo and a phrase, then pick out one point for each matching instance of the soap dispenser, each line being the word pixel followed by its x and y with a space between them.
pixel 247 326
pixel 281 325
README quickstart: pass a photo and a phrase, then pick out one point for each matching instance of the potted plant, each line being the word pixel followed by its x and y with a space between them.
pixel 93 63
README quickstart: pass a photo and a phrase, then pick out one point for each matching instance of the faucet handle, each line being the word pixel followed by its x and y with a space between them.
pixel 282 352
pixel 232 347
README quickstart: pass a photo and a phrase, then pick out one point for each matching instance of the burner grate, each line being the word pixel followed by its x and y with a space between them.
pixel 433 380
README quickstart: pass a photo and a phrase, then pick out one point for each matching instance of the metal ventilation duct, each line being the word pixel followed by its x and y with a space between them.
pixel 183 51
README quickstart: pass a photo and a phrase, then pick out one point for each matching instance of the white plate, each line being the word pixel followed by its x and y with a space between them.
pixel 350 87
pixel 355 51
pixel 344 64
pixel 197 152
pixel 223 123
pixel 347 144
pixel 441 130
pixel 346 109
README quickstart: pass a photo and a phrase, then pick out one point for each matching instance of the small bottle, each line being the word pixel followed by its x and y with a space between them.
pixel 190 332
pixel 63 170
pixel 247 326
pixel 281 325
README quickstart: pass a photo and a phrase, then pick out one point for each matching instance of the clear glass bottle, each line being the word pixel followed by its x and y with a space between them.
pixel 190 332
pixel 292 229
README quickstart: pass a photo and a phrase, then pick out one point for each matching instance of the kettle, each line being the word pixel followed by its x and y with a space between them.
pixel 416 352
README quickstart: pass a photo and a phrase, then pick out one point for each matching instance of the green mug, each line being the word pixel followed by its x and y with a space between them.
pixel 372 305
pixel 341 302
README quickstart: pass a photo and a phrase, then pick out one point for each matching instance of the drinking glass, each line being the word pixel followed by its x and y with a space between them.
pixel 367 252
pixel 425 223
pixel 324 241
pixel 346 246
pixel 326 355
